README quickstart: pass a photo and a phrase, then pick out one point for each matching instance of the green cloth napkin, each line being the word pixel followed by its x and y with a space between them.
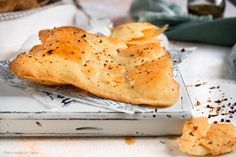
pixel 183 26
pixel 220 32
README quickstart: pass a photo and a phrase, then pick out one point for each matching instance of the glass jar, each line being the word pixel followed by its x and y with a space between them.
pixel 207 7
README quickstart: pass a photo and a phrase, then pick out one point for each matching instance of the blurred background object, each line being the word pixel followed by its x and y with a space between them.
pixel 19 5
pixel 116 10
pixel 162 12
pixel 207 7
pixel 232 61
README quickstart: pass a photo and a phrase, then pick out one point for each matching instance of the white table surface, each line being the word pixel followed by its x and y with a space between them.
pixel 207 64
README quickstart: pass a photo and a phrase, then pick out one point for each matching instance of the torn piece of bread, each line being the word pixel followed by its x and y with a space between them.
pixel 193 131
pixel 103 66
pixel 138 33
pixel 220 139
pixel 201 138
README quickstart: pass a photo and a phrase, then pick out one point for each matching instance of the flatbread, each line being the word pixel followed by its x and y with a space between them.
pixel 138 33
pixel 220 139
pixel 193 131
pixel 201 138
pixel 103 66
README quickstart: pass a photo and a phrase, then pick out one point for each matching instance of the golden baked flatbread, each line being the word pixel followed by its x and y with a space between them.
pixel 220 139
pixel 193 131
pixel 103 66
pixel 138 33
pixel 201 138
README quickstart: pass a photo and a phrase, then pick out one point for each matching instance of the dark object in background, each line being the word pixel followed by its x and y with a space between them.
pixel 233 2
pixel 80 7
pixel 161 12
pixel 207 7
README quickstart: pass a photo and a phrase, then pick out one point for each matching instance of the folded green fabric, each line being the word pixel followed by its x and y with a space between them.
pixel 183 26
pixel 220 32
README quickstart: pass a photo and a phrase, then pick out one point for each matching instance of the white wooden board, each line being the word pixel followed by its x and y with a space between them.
pixel 22 115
